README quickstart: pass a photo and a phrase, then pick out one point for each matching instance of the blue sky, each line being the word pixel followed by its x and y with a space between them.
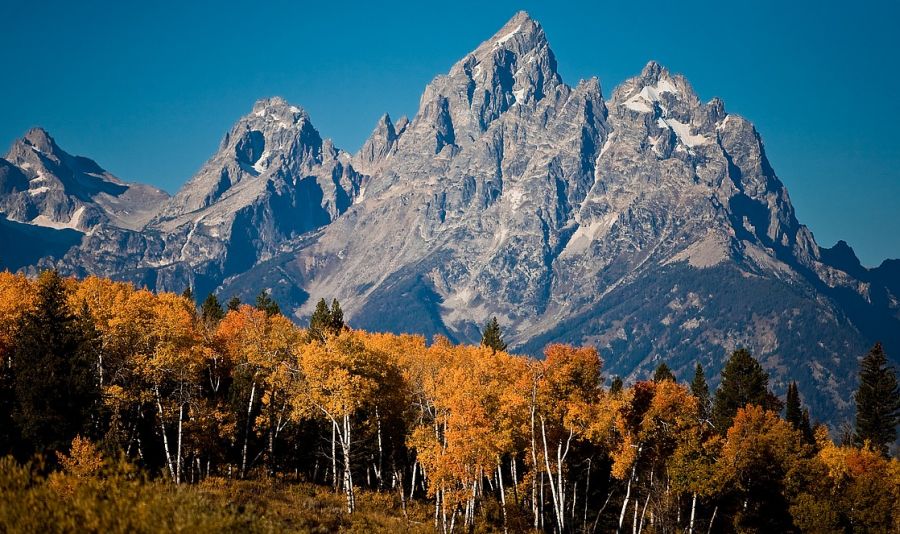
pixel 148 89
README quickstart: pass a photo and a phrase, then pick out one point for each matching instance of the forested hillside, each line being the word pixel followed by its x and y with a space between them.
pixel 126 410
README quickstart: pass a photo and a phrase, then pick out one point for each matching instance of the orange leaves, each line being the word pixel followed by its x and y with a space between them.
pixel 337 376
pixel 17 296
pixel 758 440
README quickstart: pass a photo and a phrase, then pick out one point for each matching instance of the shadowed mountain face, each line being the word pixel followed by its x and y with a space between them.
pixel 649 224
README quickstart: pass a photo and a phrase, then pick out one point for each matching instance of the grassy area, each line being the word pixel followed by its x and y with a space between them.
pixel 124 501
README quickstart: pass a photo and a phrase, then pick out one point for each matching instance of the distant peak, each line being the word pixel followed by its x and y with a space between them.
pixel 279 107
pixel 654 70
pixel 520 25
pixel 38 138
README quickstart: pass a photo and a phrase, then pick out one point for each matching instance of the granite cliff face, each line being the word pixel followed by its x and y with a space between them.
pixel 650 224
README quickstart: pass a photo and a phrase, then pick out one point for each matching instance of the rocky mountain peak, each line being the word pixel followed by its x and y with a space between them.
pixel 514 67
pixel 40 140
pixel 277 109
pixel 657 91
pixel 378 146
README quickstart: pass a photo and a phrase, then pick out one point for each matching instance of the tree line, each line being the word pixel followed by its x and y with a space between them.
pixel 489 439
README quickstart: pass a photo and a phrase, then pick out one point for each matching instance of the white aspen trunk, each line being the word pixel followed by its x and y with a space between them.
pixel 574 501
pixel 646 502
pixel 247 428
pixel 542 505
pixel 380 450
pixel 693 511
pixel 587 488
pixel 625 502
pixel 334 477
pixel 348 474
pixel 553 493
pixel 634 520
pixel 412 487
pixel 515 477
pixel 713 518
pixel 560 489
pixel 502 493
pixel 178 458
pixel 162 427
pixel 437 508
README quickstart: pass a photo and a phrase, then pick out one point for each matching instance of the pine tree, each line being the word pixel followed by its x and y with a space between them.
pixel 700 390
pixel 796 414
pixel 265 303
pixel 793 412
pixel 188 293
pixel 211 311
pixel 320 321
pixel 54 370
pixel 744 382
pixel 877 401
pixel 663 373
pixel 616 386
pixel 234 303
pixel 493 337
pixel 336 321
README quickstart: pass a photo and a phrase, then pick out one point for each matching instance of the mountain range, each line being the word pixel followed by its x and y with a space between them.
pixel 649 224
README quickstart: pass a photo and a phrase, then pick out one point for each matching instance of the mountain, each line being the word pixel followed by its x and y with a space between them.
pixel 650 224
pixel 41 184
pixel 272 179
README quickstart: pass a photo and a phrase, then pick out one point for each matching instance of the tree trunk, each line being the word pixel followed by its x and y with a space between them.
pixel 412 487
pixel 693 512
pixel 334 477
pixel 646 502
pixel 178 458
pixel 515 477
pixel 162 427
pixel 502 494
pixel 625 502
pixel 348 473
pixel 247 428
pixel 587 487
pixel 380 449
pixel 713 518
pixel 555 491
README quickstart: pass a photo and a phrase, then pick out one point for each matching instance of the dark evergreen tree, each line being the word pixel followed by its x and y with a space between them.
pixel 744 382
pixel 234 303
pixel 188 293
pixel 265 303
pixel 492 337
pixel 319 321
pixel 616 386
pixel 337 317
pixel 793 412
pixel 55 374
pixel 796 414
pixel 663 373
pixel 877 401
pixel 700 390
pixel 211 311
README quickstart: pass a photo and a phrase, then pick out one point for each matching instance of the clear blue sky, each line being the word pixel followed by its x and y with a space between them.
pixel 148 89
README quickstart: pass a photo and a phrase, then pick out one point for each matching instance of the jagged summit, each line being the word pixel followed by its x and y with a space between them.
pixel 279 110
pixel 40 140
